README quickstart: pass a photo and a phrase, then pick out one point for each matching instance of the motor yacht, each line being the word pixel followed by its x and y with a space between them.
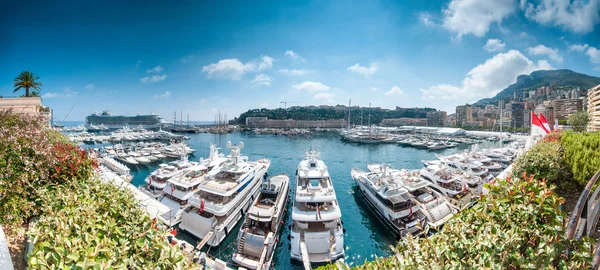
pixel 317 234
pixel 259 234
pixel 224 197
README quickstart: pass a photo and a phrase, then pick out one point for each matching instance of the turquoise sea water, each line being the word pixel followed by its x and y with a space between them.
pixel 365 236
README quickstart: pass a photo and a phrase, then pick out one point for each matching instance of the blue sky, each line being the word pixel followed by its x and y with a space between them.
pixel 200 57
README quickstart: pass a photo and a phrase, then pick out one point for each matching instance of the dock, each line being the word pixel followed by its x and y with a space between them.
pixel 305 258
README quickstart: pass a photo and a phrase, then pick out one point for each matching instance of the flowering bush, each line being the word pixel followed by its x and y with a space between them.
pixel 518 225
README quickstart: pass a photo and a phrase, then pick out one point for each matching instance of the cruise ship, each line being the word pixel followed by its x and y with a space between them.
pixel 224 197
pixel 109 121
pixel 317 235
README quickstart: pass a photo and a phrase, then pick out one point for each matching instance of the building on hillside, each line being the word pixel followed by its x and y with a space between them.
pixel 404 121
pixel 436 119
pixel 516 111
pixel 25 105
pixel 565 107
pixel 527 118
pixel 547 111
pixel 263 122
pixel 593 108
pixel 464 114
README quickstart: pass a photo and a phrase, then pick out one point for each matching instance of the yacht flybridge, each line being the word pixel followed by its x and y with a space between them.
pixel 259 235
pixel 224 197
pixel 317 234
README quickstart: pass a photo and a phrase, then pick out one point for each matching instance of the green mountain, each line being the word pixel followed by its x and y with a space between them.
pixel 556 78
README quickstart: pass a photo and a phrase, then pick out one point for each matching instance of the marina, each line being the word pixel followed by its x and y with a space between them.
pixel 400 170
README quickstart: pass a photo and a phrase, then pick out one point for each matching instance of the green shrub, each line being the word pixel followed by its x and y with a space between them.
pixel 517 225
pixel 544 161
pixel 582 154
pixel 98 224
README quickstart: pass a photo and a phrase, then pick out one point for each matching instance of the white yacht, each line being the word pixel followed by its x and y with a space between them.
pixel 259 235
pixel 178 191
pixel 157 180
pixel 317 234
pixel 224 197
pixel 445 181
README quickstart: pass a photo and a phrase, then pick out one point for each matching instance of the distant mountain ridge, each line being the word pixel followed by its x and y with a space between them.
pixel 540 78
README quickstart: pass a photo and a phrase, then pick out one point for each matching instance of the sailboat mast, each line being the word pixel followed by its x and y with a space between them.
pixel 349 110
pixel 369 119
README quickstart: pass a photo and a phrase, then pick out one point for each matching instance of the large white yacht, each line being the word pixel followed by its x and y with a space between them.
pixel 224 197
pixel 449 182
pixel 317 234
pixel 158 179
pixel 183 185
pixel 259 235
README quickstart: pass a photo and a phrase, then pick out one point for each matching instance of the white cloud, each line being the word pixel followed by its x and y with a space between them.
pixel 89 87
pixel 395 90
pixel 293 72
pixel 594 55
pixel 167 94
pixel 187 59
pixel 262 79
pixel 543 50
pixel 576 16
pixel 311 87
pixel 365 71
pixel 425 18
pixel 153 78
pixel 156 69
pixel 234 69
pixel 373 89
pixel 328 97
pixel 266 63
pixel 578 48
pixel 475 16
pixel 294 55
pixel 494 45
pixel 487 79
pixel 49 95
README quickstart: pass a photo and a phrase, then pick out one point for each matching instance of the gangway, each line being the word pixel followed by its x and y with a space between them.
pixel 205 240
pixel 305 258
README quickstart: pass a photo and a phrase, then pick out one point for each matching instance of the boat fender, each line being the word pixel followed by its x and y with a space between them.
pixel 252 197
pixel 226 233
pixel 290 227
pixel 281 222
pixel 242 211
pixel 277 240
pixel 344 230
pixel 289 237
pixel 290 246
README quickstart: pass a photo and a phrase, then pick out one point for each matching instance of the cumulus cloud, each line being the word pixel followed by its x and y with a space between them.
pixel 234 69
pixel 293 72
pixel 49 95
pixel 294 55
pixel 153 78
pixel 262 79
pixel 425 19
pixel 494 45
pixel 166 94
pixel 475 16
pixel 362 70
pixel 594 55
pixel 156 69
pixel 327 97
pixel 487 79
pixel 394 91
pixel 546 51
pixel 576 16
pixel 89 87
pixel 578 47
pixel 311 87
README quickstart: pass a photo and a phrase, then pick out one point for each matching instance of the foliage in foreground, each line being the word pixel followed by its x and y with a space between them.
pixel 517 225
pixel 81 222
pixel 544 161
pixel 98 224
pixel 582 154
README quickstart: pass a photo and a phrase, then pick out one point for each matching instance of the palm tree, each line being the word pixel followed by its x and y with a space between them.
pixel 27 79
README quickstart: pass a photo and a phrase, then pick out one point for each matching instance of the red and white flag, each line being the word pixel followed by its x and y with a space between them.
pixel 202 206
pixel 537 127
pixel 545 123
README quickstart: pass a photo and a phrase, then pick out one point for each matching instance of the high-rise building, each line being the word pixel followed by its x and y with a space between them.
pixel 547 111
pixel 464 114
pixel 565 107
pixel 593 107
pixel 436 119
pixel 516 110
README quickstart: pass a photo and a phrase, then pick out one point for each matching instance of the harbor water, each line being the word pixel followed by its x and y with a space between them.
pixel 365 237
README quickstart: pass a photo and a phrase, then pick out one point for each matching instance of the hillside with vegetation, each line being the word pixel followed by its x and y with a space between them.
pixel 556 78
pixel 330 112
